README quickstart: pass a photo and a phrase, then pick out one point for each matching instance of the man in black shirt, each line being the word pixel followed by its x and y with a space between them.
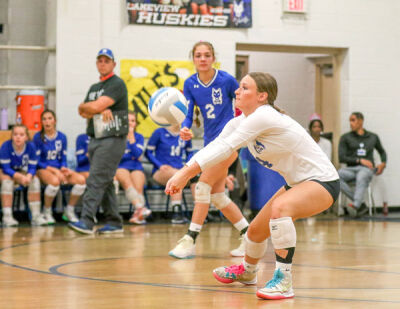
pixel 356 150
pixel 104 99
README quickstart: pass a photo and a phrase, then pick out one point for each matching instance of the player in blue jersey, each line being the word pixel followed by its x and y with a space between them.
pixel 213 91
pixel 165 150
pixel 130 172
pixel 82 156
pixel 18 162
pixel 51 146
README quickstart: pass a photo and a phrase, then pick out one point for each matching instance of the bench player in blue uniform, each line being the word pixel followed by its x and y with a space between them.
pixel 165 150
pixel 82 156
pixel 18 162
pixel 130 172
pixel 51 147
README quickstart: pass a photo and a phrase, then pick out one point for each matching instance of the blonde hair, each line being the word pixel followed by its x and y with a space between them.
pixel 267 83
pixel 28 138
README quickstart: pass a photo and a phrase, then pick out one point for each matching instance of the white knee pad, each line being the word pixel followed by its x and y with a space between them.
pixel 283 233
pixel 131 194
pixel 7 187
pixel 34 186
pixel 220 200
pixel 255 250
pixel 51 190
pixel 202 193
pixel 78 190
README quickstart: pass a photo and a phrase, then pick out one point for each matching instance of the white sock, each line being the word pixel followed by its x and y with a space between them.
pixel 195 227
pixel 140 201
pixel 7 211
pixel 48 211
pixel 250 267
pixel 35 208
pixel 241 224
pixel 70 208
pixel 173 203
pixel 283 266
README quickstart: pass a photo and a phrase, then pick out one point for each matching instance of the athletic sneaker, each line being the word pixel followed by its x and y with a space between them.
pixel 234 273
pixel 362 210
pixel 49 218
pixel 80 227
pixel 38 220
pixel 279 287
pixel 9 221
pixel 110 229
pixel 239 251
pixel 140 215
pixel 185 249
pixel 69 216
pixel 177 215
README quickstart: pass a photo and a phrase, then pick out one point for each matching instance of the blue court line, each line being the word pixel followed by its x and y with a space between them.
pixel 54 271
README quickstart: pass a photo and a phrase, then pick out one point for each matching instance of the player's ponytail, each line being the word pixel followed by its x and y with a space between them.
pixel 267 83
pixel 196 120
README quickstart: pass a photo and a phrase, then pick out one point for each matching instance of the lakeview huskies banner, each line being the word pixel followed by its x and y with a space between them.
pixel 144 77
pixel 191 13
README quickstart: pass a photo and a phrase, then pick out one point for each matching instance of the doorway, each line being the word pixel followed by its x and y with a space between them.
pixel 325 64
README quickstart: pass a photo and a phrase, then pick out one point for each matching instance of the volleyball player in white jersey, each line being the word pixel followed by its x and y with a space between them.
pixel 280 143
pixel 213 92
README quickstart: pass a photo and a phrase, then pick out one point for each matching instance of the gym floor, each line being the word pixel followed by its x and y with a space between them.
pixel 338 264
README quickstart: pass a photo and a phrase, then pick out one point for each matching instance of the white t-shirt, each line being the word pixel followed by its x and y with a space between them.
pixel 326 147
pixel 276 141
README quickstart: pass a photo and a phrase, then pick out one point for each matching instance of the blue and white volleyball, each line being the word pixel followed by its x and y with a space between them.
pixel 168 107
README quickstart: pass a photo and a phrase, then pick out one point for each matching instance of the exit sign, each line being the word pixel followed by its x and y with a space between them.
pixel 294 6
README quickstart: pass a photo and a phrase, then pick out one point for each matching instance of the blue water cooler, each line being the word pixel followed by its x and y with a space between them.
pixel 262 182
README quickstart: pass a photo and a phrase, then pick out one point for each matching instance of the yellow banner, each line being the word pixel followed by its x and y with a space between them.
pixel 144 77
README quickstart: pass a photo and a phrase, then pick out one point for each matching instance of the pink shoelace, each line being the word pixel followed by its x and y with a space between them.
pixel 235 269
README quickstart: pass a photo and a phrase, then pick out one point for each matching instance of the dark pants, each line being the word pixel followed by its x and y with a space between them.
pixel 105 155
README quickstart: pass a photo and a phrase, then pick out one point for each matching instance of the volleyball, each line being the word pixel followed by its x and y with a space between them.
pixel 168 106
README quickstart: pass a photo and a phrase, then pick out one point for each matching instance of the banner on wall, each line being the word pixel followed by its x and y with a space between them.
pixel 191 13
pixel 144 77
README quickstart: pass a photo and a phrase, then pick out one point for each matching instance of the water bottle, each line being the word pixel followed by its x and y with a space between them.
pixel 4 119
pixel 19 119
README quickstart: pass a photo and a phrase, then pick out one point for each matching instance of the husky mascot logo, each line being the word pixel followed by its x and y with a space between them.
pixel 238 9
pixel 258 147
pixel 217 96
pixel 58 145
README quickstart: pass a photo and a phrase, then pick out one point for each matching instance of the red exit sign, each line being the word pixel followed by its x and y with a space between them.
pixel 294 6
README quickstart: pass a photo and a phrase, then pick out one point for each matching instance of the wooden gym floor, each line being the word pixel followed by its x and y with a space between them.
pixel 338 264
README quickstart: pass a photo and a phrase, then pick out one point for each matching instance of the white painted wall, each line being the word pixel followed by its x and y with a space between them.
pixel 369 29
pixel 295 75
pixel 25 24
pixel 3 54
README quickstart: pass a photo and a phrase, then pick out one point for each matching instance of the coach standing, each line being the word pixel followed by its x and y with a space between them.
pixel 106 98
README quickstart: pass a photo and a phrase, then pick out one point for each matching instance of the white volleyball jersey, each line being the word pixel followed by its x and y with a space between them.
pixel 276 141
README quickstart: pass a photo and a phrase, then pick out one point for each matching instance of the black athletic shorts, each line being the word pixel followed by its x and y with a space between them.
pixel 333 187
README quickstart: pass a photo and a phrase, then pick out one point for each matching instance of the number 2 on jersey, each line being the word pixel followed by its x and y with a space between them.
pixel 210 111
